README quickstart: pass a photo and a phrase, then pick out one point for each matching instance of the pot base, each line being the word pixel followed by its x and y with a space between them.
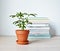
pixel 22 43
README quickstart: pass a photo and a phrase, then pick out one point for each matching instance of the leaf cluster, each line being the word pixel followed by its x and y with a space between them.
pixel 22 19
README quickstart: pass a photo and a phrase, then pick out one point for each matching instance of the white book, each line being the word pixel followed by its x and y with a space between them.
pixel 39 32
pixel 38 24
pixel 40 28
pixel 39 21
pixel 38 35
pixel 38 18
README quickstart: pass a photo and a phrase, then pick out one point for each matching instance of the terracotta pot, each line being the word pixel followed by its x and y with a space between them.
pixel 22 36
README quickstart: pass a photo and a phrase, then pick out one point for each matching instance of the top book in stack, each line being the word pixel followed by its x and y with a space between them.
pixel 38 20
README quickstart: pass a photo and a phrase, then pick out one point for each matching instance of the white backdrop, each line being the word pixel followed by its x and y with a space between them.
pixel 44 8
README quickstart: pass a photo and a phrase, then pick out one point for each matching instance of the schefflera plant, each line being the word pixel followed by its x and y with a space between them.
pixel 22 19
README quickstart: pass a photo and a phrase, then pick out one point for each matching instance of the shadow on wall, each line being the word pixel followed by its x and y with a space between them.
pixel 52 30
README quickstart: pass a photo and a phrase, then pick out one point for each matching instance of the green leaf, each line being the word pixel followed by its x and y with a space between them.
pixel 12 16
pixel 19 25
pixel 21 15
pixel 26 20
pixel 15 22
pixel 24 26
pixel 33 15
pixel 25 13
pixel 29 22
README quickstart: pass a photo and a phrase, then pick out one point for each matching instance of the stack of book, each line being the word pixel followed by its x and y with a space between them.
pixel 39 27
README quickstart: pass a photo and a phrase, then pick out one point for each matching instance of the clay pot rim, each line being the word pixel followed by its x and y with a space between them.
pixel 21 30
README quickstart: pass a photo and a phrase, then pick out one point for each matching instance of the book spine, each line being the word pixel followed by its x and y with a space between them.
pixel 37 24
pixel 39 21
pixel 40 28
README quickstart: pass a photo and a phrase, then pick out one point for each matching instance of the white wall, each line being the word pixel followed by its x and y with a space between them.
pixel 44 8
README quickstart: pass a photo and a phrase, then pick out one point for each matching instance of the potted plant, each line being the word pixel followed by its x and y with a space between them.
pixel 22 33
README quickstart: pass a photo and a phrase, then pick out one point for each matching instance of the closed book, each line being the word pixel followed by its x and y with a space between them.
pixel 39 20
pixel 39 32
pixel 37 26
pixel 41 24
pixel 39 36
pixel 40 28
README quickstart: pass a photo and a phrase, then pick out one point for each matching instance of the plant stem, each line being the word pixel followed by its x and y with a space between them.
pixel 23 25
